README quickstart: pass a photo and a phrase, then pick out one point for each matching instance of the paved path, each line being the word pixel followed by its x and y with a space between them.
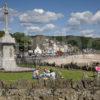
pixel 81 59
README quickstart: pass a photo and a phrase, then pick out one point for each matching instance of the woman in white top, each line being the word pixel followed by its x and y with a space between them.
pixel 52 74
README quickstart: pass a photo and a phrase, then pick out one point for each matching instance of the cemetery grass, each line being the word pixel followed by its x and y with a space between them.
pixel 66 74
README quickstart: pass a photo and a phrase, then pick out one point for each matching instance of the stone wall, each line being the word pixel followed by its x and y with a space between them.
pixel 50 90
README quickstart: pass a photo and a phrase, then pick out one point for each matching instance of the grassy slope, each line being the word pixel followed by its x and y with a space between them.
pixel 15 76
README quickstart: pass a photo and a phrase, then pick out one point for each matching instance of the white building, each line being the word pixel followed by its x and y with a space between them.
pixel 38 50
pixel 55 48
pixel 66 48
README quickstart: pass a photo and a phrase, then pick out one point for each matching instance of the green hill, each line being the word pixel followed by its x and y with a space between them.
pixel 80 41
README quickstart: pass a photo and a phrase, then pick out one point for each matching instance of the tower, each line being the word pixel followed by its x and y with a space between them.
pixel 7 51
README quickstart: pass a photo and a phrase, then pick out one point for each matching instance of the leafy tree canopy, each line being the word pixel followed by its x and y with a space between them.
pixel 23 40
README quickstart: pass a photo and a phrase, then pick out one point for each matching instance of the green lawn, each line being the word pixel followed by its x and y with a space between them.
pixel 67 74
pixel 15 76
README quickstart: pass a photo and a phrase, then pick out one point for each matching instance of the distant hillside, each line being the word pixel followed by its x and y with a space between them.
pixel 80 41
pixel 38 39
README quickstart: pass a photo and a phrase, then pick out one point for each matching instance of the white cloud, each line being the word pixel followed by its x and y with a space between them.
pixel 88 33
pixel 34 29
pixel 86 17
pixel 49 26
pixel 41 29
pixel 39 20
pixel 13 12
pixel 80 18
pixel 40 11
pixel 61 31
pixel 39 16
pixel 26 24
pixel 96 17
pixel 80 21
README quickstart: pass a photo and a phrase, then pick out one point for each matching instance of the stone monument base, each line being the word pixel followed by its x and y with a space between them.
pixel 19 69
pixel 9 65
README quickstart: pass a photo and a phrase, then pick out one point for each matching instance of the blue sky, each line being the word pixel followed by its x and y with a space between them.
pixel 54 17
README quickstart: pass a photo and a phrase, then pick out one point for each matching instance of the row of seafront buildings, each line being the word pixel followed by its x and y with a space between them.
pixel 50 47
pixel 54 47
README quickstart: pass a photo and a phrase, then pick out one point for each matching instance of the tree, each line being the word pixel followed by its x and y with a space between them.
pixel 22 40
pixel 2 33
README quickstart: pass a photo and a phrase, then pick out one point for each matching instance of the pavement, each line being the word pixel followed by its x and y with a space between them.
pixel 79 59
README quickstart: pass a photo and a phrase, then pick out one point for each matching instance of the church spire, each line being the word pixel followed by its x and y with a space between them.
pixel 6 12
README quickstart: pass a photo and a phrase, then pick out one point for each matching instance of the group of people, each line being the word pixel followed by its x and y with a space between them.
pixel 47 74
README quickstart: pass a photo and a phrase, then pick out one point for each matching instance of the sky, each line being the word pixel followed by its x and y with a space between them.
pixel 53 17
